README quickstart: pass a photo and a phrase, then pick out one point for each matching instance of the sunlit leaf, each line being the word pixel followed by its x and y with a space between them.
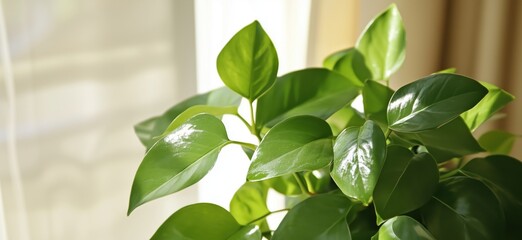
pixel 317 91
pixel 432 101
pixel 402 228
pixel 330 61
pixel 359 154
pixel 302 143
pixel 383 44
pixel 194 110
pixel 248 63
pixel 179 159
pixel 250 232
pixel 352 66
pixel 495 100
pixel 497 142
pixel 464 208
pixel 249 203
pixel 319 217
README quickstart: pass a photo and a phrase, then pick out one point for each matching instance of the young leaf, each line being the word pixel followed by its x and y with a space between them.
pixel 330 61
pixel 249 202
pixel 194 110
pixel 352 66
pixel 316 91
pixel 199 221
pixel 383 44
pixel 453 139
pixel 375 98
pixel 432 102
pixel 495 100
pixel 464 208
pixel 319 217
pixel 179 159
pixel 302 143
pixel 407 181
pixel 148 130
pixel 402 227
pixel 248 63
pixel 359 154
pixel 503 174
pixel 497 142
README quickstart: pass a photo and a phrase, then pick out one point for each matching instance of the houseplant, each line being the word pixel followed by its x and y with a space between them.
pixel 400 168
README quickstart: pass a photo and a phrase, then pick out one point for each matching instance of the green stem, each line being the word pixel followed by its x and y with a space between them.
pixel 244 144
pixel 302 185
pixel 388 132
pixel 253 127
pixel 267 214
pixel 244 121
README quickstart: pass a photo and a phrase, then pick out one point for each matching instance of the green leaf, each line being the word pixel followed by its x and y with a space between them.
pixel 302 143
pixel 352 66
pixel 249 203
pixel 285 184
pixel 248 63
pixel 179 159
pixel 432 102
pixel 383 44
pixel 407 181
pixel 503 174
pixel 317 92
pixel 453 139
pixel 318 181
pixel 402 228
pixel 345 117
pixel 330 61
pixel 447 70
pixel 497 142
pixel 148 130
pixel 463 208
pixel 195 110
pixel 495 100
pixel 319 217
pixel 375 98
pixel 199 221
pixel 250 232
pixel 363 225
pixel 359 154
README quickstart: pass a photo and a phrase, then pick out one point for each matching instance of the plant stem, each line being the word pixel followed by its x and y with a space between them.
pixel 266 215
pixel 388 132
pixel 302 186
pixel 253 127
pixel 244 121
pixel 244 144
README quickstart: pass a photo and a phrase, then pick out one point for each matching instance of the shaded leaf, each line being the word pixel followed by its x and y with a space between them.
pixel 407 181
pixel 345 117
pixel 404 228
pixel 375 98
pixel 330 61
pixel 194 110
pixel 285 184
pixel 359 154
pixel 383 43
pixel 179 159
pixel 318 181
pixel 248 63
pixel 301 143
pixel 352 66
pixel 199 221
pixel 432 101
pixel 315 91
pixel 148 130
pixel 494 100
pixel 497 142
pixel 319 217
pixel 363 227
pixel 249 203
pixel 463 208
pixel 250 232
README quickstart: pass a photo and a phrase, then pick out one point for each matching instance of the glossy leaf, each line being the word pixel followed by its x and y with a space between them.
pixel 249 203
pixel 179 159
pixel 148 130
pixel 316 91
pixel 383 44
pixel 359 154
pixel 407 181
pixel 199 221
pixel 402 228
pixel 432 101
pixel 248 63
pixel 464 208
pixel 302 143
pixel 497 142
pixel 250 232
pixel 319 217
pixel 195 110
pixel 453 139
pixel 503 174
pixel 495 100
pixel 352 66
pixel 330 61
pixel 375 98
pixel 345 117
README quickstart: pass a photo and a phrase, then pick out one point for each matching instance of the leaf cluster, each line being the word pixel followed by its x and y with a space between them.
pixel 399 167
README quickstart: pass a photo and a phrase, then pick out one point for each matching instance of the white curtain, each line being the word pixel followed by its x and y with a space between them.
pixel 82 73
